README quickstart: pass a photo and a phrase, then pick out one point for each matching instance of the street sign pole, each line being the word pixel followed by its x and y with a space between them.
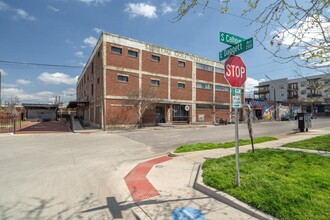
pixel 238 178
pixel 235 74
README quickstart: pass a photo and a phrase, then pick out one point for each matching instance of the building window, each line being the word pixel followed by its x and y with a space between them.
pixel 181 85
pixel 98 54
pixel 132 53
pixel 92 89
pixel 204 86
pixel 219 70
pixel 222 88
pixel 204 67
pixel 181 63
pixel 98 80
pixel 155 58
pixel 92 67
pixel 116 50
pixel 302 84
pixel 155 82
pixel 122 78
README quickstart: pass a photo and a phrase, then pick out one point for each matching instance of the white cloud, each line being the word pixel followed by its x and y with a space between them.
pixel 79 54
pixel 166 8
pixel 3 73
pixel 3 6
pixel 15 13
pixel 57 78
pixel 141 9
pixel 8 85
pixel 306 38
pixel 98 30
pixel 69 92
pixel 22 14
pixel 9 92
pixel 51 8
pixel 23 82
pixel 249 86
pixel 95 2
pixel 91 41
pixel 44 96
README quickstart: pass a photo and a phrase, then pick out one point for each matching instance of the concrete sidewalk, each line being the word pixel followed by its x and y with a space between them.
pixel 174 180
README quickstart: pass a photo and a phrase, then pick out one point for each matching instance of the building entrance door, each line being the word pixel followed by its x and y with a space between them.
pixel 160 114
pixel 180 113
pixel 258 114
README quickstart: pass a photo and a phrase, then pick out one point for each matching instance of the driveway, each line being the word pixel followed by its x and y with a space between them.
pixel 67 176
pixel 43 127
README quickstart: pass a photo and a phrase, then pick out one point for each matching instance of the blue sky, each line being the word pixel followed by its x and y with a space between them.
pixel 64 32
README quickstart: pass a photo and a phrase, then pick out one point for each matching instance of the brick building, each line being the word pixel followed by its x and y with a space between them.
pixel 125 78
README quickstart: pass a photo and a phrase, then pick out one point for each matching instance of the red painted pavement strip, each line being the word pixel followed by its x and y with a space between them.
pixel 43 127
pixel 137 182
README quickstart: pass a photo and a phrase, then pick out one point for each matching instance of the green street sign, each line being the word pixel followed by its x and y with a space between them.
pixel 236 98
pixel 230 38
pixel 236 49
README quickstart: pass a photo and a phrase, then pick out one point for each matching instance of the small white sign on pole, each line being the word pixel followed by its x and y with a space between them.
pixel 236 98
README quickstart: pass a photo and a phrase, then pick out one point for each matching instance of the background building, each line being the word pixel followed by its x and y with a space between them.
pixel 126 81
pixel 310 94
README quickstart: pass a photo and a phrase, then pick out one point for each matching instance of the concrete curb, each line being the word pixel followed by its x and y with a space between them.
pixel 172 154
pixel 227 199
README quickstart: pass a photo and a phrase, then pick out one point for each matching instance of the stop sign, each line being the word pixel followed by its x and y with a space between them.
pixel 235 71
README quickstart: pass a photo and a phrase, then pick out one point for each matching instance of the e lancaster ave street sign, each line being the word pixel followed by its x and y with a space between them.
pixel 230 38
pixel 236 49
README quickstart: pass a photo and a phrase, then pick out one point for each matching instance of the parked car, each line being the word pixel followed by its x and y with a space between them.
pixel 285 118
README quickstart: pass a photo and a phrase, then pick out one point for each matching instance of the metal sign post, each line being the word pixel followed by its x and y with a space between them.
pixel 238 178
pixel 235 74
pixel 236 104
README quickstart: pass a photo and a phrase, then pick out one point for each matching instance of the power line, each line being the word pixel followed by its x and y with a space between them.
pixel 40 64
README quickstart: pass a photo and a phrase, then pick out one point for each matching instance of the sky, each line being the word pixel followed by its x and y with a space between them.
pixel 62 34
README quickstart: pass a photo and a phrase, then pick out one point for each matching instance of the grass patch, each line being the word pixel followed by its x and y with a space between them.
pixel 284 184
pixel 210 146
pixel 316 143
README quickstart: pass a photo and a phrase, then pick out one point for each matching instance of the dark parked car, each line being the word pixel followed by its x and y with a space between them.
pixel 285 118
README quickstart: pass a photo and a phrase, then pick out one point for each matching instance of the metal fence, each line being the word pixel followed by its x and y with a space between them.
pixel 9 123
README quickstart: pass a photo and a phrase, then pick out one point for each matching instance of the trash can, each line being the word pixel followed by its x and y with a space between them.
pixel 304 121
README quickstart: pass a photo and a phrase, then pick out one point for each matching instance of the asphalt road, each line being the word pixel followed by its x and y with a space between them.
pixel 168 139
pixel 80 176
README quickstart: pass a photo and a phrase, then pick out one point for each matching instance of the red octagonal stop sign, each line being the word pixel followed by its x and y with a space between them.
pixel 235 71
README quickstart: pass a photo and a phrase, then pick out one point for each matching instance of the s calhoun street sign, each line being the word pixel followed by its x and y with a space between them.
pixel 230 38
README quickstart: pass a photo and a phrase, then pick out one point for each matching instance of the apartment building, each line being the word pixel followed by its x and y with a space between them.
pixel 311 93
pixel 126 80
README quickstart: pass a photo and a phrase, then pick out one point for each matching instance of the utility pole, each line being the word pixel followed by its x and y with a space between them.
pixel 275 105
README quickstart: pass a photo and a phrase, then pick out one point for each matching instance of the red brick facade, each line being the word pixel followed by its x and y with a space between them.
pixel 125 79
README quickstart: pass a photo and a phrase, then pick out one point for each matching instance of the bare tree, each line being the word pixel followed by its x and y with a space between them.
pixel 289 30
pixel 12 103
pixel 142 100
